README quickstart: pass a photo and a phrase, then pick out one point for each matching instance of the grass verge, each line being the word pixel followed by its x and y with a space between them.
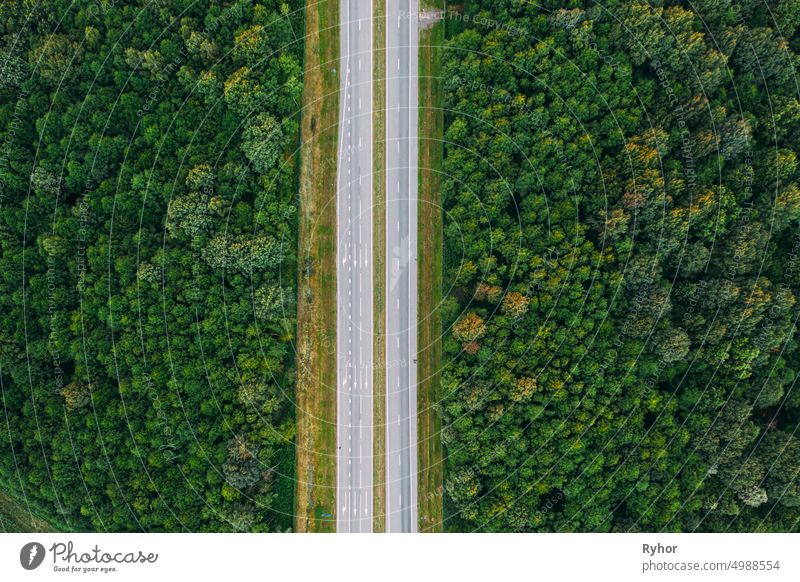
pixel 316 313
pixel 15 518
pixel 431 153
pixel 379 262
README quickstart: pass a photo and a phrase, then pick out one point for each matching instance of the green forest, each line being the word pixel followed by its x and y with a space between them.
pixel 621 245
pixel 148 262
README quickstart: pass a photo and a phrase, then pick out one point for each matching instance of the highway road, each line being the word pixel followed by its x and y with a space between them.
pixel 354 323
pixel 402 44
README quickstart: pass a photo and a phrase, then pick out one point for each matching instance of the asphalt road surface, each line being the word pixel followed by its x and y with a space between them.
pixel 354 325
pixel 402 43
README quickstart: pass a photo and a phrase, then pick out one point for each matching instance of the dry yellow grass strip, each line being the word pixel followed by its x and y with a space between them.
pixel 316 328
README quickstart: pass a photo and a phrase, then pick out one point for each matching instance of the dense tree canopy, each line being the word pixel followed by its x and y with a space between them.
pixel 622 244
pixel 622 259
pixel 147 257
